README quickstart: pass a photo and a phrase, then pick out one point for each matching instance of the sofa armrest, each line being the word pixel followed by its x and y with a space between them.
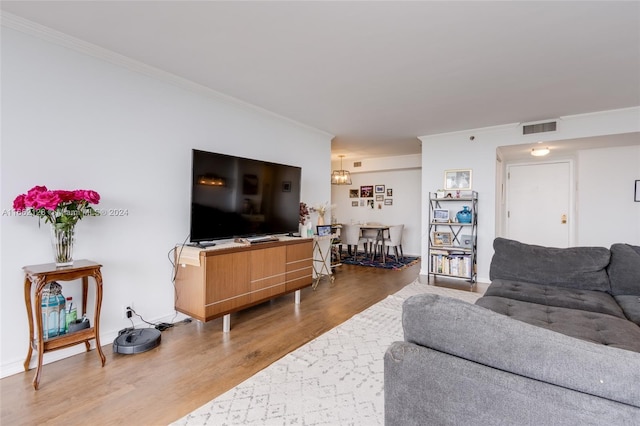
pixel 624 270
pixel 426 387
pixel 477 334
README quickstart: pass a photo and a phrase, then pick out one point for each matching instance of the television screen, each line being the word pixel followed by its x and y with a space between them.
pixel 239 197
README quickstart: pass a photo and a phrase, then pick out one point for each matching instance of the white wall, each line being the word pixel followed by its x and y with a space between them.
pixel 71 120
pixel 457 151
pixel 404 179
pixel 606 211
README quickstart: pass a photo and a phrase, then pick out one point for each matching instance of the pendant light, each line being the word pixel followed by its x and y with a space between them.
pixel 340 177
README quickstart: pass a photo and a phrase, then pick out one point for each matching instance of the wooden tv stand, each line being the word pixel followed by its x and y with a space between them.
pixel 228 277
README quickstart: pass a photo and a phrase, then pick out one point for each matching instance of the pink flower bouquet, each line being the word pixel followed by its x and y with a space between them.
pixel 63 209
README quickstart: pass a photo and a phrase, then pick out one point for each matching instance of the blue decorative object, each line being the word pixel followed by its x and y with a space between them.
pixel 464 215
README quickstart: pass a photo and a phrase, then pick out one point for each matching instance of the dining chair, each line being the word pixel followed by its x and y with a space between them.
pixel 394 240
pixel 369 237
pixel 350 236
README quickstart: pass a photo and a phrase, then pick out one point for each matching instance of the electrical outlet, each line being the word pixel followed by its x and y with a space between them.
pixel 126 312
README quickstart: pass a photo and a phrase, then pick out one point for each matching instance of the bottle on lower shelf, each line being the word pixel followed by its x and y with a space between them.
pixel 72 313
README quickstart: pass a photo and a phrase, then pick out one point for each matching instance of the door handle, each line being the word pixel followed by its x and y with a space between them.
pixel 563 219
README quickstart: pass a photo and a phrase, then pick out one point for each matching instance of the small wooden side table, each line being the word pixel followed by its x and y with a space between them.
pixel 40 276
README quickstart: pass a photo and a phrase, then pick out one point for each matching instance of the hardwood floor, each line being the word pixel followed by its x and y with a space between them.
pixel 195 361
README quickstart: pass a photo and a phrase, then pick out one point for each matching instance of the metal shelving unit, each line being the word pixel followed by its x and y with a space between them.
pixel 452 250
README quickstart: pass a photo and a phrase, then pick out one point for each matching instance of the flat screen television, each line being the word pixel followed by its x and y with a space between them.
pixel 241 197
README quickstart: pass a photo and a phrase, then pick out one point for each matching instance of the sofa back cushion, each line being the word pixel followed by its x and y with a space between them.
pixel 574 267
pixel 624 270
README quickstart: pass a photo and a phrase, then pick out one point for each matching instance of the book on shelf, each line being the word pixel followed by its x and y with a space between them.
pixel 444 263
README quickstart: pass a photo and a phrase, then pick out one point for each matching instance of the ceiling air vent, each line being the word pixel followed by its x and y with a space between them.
pixel 357 164
pixel 528 129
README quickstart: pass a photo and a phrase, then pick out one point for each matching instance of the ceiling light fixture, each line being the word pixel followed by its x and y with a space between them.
pixel 340 177
pixel 540 152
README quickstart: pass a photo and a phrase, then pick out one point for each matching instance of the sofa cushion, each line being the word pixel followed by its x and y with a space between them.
pixel 573 267
pixel 624 269
pixel 630 306
pixel 585 300
pixel 480 335
pixel 591 326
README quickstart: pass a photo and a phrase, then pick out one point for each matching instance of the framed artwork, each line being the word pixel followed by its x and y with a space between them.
pixel 379 188
pixel 354 204
pixel 286 186
pixel 366 191
pixel 458 179
pixel 442 238
pixel 441 215
pixel 636 196
pixel 371 203
pixel 361 203
pixel 389 192
pixel 388 201
pixel 353 193
pixel 379 197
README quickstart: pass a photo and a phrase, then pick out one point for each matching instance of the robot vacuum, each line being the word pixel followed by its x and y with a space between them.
pixel 136 341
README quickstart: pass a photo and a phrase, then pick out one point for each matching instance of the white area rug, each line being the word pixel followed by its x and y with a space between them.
pixel 336 379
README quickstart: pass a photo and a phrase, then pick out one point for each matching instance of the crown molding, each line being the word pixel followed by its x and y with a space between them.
pixel 47 34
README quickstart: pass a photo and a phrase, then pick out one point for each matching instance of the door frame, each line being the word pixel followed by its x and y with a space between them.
pixel 573 214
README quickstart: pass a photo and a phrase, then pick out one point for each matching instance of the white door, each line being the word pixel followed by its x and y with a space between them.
pixel 539 203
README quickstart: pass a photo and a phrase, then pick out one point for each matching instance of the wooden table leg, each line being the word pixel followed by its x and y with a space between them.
pixel 85 293
pixel 40 283
pixel 97 276
pixel 27 300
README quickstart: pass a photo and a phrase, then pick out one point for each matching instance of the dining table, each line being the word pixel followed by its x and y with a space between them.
pixel 381 229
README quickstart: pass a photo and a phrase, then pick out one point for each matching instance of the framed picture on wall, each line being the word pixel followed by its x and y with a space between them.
pixel 353 193
pixel 388 201
pixel 389 192
pixel 379 188
pixel 379 197
pixel 366 191
pixel 354 204
pixel 459 179
pixel 636 197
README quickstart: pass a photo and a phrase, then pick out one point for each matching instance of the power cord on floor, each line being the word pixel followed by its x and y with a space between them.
pixel 162 326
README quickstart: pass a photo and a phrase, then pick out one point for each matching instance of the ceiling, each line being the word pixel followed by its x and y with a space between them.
pixel 378 74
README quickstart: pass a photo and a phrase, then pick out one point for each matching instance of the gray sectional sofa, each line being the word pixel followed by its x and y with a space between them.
pixel 555 340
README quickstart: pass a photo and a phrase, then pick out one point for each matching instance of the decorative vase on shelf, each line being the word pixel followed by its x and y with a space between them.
pixel 320 219
pixel 62 239
pixel 464 215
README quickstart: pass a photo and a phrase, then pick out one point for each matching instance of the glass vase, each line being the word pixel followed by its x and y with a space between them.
pixel 464 215
pixel 62 243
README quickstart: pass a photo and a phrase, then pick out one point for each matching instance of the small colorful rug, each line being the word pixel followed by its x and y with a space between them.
pixel 362 260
